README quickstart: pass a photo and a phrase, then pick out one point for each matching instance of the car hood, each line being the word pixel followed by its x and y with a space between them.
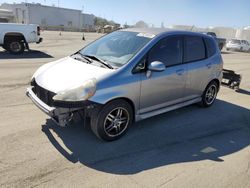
pixel 67 73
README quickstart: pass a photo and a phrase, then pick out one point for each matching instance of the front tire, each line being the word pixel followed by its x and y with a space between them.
pixel 113 120
pixel 210 94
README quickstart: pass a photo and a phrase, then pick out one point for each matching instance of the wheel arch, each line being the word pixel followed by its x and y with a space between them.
pixel 217 81
pixel 11 35
pixel 129 101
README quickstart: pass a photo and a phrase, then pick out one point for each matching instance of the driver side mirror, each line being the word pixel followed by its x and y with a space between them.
pixel 156 66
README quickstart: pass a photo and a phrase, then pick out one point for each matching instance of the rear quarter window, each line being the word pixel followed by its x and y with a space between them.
pixel 194 49
pixel 210 46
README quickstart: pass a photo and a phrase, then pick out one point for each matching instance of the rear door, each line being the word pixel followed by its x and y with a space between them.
pixel 199 67
pixel 165 88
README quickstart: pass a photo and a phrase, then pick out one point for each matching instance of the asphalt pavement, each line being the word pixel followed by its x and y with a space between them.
pixel 189 147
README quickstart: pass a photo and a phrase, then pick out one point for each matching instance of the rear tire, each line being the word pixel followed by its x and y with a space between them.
pixel 15 47
pixel 113 120
pixel 210 94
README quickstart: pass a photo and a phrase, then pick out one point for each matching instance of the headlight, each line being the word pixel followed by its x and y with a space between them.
pixel 81 93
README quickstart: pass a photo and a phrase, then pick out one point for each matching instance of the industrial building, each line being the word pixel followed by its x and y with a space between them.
pixel 223 32
pixel 50 17
pixel 6 16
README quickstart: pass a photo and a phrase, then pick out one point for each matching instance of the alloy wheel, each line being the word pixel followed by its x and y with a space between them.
pixel 116 122
pixel 211 94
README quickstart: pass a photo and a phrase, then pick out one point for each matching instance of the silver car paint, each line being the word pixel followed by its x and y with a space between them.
pixel 163 88
pixel 193 77
pixel 175 87
pixel 69 74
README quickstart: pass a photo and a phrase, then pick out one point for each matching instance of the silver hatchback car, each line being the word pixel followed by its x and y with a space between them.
pixel 127 76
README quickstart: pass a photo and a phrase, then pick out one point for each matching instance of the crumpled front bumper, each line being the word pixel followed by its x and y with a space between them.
pixel 50 111
pixel 61 116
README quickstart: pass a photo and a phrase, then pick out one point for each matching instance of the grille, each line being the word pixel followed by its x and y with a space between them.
pixel 43 94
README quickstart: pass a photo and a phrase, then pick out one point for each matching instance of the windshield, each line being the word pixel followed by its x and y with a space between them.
pixel 118 47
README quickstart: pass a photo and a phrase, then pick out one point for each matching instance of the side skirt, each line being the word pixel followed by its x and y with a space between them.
pixel 166 109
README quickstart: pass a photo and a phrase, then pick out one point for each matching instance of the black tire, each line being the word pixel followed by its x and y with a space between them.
pixel 241 49
pixel 107 125
pixel 15 47
pixel 210 94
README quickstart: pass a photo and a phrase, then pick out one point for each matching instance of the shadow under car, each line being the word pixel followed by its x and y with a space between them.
pixel 31 54
pixel 184 135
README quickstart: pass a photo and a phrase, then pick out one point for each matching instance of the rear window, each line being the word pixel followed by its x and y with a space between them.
pixel 210 46
pixel 194 49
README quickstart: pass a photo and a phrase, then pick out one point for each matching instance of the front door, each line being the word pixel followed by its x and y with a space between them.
pixel 162 89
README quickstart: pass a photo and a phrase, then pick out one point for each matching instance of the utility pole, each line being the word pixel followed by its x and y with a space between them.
pixel 58 3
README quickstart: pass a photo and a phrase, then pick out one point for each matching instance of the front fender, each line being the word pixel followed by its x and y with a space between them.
pixel 130 92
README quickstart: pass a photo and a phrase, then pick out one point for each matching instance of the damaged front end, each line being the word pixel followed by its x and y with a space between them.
pixel 60 111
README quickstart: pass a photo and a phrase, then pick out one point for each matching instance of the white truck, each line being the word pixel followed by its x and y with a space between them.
pixel 15 38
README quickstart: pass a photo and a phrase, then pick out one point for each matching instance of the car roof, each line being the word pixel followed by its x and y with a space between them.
pixel 158 31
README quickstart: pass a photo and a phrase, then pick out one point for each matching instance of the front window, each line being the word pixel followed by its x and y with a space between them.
pixel 118 47
pixel 167 51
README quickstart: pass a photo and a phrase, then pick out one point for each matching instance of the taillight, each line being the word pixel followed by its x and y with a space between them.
pixel 38 30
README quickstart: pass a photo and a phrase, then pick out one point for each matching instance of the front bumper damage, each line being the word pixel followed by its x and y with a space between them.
pixel 62 114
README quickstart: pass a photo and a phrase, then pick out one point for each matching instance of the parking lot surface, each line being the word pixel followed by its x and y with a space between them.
pixel 189 147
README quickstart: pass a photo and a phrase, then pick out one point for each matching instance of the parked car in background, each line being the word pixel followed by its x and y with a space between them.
pixel 129 75
pixel 221 41
pixel 15 38
pixel 238 45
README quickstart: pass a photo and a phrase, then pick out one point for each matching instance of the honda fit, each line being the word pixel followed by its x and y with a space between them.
pixel 127 76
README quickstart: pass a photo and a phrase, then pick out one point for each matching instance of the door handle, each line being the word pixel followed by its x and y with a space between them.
pixel 180 72
pixel 209 65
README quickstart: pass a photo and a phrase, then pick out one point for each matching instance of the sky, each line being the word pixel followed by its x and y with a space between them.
pixel 201 13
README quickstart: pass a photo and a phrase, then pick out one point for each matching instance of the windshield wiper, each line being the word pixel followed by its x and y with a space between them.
pixel 83 57
pixel 99 60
